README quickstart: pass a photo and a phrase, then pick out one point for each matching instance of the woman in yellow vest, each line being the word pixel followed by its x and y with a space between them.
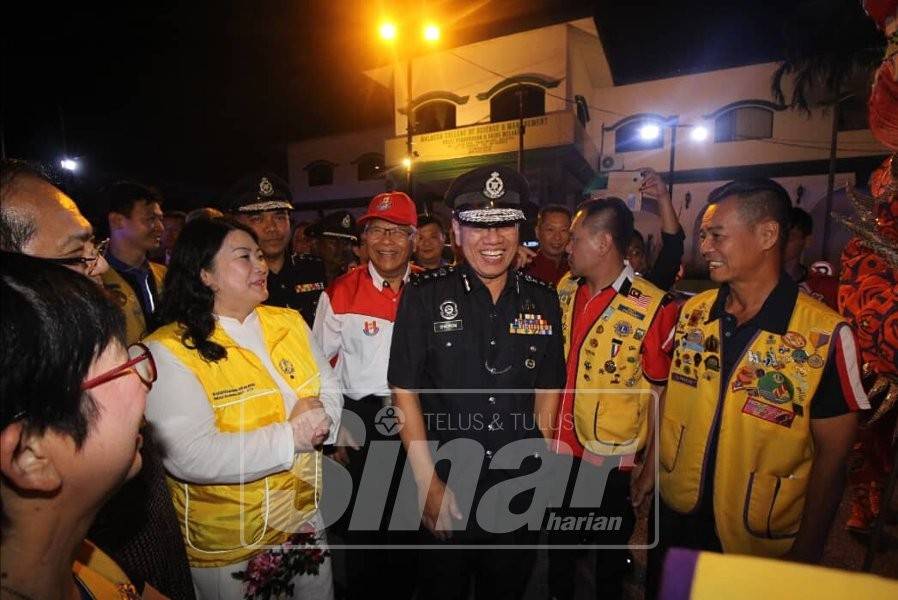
pixel 243 405
pixel 73 402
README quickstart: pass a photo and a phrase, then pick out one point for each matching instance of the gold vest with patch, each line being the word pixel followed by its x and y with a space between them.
pixel 612 396
pixel 126 297
pixel 228 523
pixel 764 447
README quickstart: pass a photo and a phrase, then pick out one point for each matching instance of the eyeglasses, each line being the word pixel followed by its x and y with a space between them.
pixel 375 232
pixel 140 363
pixel 88 263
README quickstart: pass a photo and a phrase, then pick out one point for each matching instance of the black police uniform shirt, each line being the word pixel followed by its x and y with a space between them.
pixel 298 285
pixel 449 335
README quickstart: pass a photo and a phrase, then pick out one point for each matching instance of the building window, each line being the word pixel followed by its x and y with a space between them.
pixel 434 116
pixel 629 137
pixel 320 173
pixel 370 166
pixel 744 123
pixel 853 113
pixel 505 105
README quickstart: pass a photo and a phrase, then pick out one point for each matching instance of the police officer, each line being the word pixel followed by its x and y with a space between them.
pixel 333 239
pixel 484 341
pixel 263 202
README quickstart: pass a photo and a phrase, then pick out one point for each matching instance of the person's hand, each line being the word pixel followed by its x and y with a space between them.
pixel 524 257
pixel 432 498
pixel 345 440
pixel 311 424
pixel 653 186
pixel 642 482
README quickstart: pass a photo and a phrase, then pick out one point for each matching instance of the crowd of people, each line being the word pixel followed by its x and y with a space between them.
pixel 177 397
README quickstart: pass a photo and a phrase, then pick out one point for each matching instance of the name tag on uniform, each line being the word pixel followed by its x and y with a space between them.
pixel 444 326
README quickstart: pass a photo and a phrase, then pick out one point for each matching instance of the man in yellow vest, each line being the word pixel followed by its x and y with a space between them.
pixel 761 403
pixel 135 229
pixel 615 324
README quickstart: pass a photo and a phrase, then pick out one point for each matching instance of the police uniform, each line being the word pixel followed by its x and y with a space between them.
pixel 450 335
pixel 299 283
pixel 338 225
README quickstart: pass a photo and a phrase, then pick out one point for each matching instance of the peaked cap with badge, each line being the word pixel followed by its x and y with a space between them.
pixel 490 196
pixel 257 192
pixel 338 224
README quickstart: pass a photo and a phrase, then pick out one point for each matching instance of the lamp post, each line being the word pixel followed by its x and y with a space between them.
pixel 389 33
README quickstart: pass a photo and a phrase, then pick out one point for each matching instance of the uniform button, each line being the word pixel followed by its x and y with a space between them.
pixel 492 315
pixel 448 344
pixel 492 342
pixel 491 399
pixel 728 334
pixel 489 453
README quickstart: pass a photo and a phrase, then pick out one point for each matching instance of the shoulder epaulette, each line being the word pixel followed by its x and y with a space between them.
pixel 431 275
pixel 536 281
pixel 307 257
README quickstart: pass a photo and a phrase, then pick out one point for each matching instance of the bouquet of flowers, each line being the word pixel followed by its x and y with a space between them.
pixel 269 575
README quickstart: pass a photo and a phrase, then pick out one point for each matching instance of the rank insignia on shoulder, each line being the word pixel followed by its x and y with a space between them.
pixel 316 286
pixel 431 275
pixel 530 324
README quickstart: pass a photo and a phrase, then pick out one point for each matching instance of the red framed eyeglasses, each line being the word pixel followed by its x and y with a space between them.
pixel 140 362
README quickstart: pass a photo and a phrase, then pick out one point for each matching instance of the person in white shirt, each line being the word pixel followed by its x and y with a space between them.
pixel 243 405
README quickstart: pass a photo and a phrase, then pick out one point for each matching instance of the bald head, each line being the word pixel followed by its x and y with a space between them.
pixel 36 217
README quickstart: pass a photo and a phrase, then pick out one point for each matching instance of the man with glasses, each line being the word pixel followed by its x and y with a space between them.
pixel 262 201
pixel 135 230
pixel 354 324
pixel 39 219
pixel 137 526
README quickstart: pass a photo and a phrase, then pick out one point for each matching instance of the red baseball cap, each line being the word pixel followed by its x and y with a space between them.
pixel 395 207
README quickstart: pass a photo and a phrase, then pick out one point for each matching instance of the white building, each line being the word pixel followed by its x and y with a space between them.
pixel 466 102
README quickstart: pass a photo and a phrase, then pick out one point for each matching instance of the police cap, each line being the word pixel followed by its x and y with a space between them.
pixel 489 196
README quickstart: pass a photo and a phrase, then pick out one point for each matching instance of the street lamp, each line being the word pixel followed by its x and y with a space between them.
pixel 389 33
pixel 69 164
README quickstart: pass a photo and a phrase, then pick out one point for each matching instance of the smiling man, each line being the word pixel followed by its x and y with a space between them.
pixel 484 345
pixel 263 202
pixel 762 397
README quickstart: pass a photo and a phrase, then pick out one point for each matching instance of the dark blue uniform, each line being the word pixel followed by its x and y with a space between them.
pixel 298 285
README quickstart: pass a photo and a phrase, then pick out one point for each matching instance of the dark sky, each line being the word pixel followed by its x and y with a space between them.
pixel 189 95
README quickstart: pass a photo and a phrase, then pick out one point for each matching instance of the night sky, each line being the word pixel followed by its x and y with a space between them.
pixel 189 95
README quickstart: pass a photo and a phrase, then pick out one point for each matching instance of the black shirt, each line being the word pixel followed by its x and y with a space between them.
pixel 483 360
pixel 298 285
pixel 773 317
pixel 663 273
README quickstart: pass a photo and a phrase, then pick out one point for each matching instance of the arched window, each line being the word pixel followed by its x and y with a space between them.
pixel 320 172
pixel 630 136
pixel 438 115
pixel 744 123
pixel 506 105
pixel 370 166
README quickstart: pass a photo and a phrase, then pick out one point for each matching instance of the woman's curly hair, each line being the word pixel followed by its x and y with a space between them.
pixel 186 300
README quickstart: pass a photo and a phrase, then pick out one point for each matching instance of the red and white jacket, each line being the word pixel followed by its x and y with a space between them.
pixel 354 323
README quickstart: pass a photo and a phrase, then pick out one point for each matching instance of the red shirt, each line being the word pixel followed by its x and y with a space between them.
pixel 545 268
pixel 655 360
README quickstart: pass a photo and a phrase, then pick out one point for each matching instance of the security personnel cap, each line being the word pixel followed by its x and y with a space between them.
pixel 394 207
pixel 257 192
pixel 490 196
pixel 339 224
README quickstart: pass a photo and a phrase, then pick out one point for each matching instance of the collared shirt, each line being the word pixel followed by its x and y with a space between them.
pixel 141 281
pixel 546 269
pixel 586 311
pixel 840 390
pixel 297 285
pixel 479 361
pixel 354 324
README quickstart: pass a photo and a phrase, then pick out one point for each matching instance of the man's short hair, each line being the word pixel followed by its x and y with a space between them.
pixel 431 220
pixel 759 199
pixel 553 208
pixel 55 323
pixel 802 221
pixel 16 230
pixel 121 196
pixel 612 215
pixel 175 214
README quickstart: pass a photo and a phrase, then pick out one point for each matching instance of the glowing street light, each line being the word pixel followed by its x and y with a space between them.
pixel 407 163
pixel 699 133
pixel 649 132
pixel 431 33
pixel 69 164
pixel 388 31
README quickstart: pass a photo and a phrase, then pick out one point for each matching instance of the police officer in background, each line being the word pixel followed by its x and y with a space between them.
pixel 460 333
pixel 262 201
pixel 333 238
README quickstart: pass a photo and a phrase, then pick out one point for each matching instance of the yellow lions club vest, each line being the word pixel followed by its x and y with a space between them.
pixel 228 523
pixel 765 450
pixel 126 297
pixel 612 397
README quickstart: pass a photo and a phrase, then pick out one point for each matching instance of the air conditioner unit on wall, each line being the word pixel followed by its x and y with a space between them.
pixel 610 162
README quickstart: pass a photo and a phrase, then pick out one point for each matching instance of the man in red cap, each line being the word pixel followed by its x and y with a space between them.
pixel 354 325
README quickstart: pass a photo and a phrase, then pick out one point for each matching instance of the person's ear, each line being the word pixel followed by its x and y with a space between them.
pixel 206 279
pixel 768 233
pixel 115 221
pixel 456 230
pixel 25 461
